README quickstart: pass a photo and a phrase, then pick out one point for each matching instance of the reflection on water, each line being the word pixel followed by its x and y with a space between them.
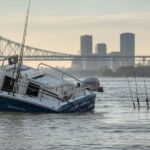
pixel 113 124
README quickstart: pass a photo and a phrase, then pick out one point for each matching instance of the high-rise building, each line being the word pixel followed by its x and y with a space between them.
pixel 101 49
pixel 86 45
pixel 115 63
pixel 127 48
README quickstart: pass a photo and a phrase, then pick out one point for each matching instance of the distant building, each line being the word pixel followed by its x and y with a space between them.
pixel 76 65
pixel 127 48
pixel 101 50
pixel 115 63
pixel 86 44
pixel 148 63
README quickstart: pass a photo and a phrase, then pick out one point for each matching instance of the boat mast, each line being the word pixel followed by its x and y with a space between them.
pixel 20 61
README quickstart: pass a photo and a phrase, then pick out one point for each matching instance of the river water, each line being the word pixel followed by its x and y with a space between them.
pixel 113 124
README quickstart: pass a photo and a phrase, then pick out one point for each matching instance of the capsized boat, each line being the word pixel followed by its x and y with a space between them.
pixel 25 89
pixel 37 90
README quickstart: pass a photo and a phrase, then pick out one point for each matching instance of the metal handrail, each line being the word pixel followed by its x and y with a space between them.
pixel 49 93
pixel 60 72
pixel 85 84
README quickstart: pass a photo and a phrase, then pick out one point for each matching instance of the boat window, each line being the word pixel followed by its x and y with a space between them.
pixel 32 89
pixel 8 84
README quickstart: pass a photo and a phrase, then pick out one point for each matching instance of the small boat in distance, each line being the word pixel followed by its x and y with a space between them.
pixel 39 91
pixel 93 84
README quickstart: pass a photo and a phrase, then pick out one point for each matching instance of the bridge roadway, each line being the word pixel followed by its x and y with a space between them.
pixel 9 47
pixel 82 58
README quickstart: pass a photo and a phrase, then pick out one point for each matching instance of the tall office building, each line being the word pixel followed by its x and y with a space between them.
pixel 115 63
pixel 101 50
pixel 86 44
pixel 127 48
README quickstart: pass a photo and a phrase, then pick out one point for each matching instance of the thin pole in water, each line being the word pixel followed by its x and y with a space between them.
pixel 147 101
pixel 137 94
pixel 130 91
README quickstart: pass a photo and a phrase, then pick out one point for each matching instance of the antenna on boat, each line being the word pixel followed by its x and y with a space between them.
pixel 130 91
pixel 147 101
pixel 136 85
pixel 20 62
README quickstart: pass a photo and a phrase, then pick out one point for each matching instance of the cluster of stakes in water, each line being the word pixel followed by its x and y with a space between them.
pixel 137 94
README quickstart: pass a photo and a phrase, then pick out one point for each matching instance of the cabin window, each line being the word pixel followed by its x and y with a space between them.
pixel 8 84
pixel 32 90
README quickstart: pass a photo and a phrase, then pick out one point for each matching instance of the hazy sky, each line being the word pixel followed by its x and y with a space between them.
pixel 58 24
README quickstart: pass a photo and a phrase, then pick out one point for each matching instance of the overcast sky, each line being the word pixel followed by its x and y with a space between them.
pixel 58 24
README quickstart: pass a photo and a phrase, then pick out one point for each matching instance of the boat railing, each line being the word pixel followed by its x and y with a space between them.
pixel 60 71
pixel 73 93
pixel 64 73
pixel 41 91
pixel 65 97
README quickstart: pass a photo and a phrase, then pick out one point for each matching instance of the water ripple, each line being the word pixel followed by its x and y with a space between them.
pixel 113 124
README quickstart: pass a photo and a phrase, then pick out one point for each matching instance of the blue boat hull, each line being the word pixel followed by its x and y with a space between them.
pixel 81 105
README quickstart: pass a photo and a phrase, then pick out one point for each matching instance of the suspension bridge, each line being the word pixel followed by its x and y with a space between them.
pixel 9 47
